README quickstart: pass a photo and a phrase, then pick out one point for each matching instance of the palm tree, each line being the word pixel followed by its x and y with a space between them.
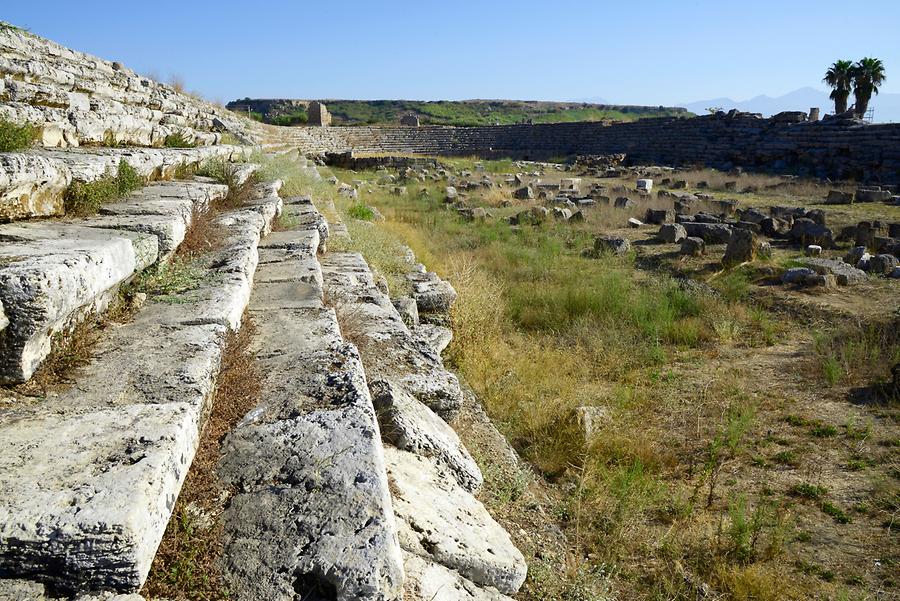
pixel 868 74
pixel 840 77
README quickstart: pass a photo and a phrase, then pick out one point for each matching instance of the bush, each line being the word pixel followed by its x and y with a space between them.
pixel 177 140
pixel 16 137
pixel 362 212
pixel 85 198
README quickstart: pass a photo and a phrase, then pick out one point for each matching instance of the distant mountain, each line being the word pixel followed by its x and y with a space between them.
pixel 887 106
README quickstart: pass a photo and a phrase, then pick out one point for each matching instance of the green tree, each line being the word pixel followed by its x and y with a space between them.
pixel 840 77
pixel 868 74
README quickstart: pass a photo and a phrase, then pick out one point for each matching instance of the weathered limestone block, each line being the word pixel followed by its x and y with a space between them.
pixel 616 245
pixel 93 473
pixel 31 185
pixel 430 581
pixel 440 521
pixel 846 275
pixel 432 294
pixel 312 509
pixel 411 426
pixel 672 233
pixel 712 233
pixel 742 246
pixel 87 494
pixel 390 351
pixel 164 210
pixel 51 275
pixel 435 336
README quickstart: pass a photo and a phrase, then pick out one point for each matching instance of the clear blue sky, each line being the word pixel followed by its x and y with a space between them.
pixel 637 52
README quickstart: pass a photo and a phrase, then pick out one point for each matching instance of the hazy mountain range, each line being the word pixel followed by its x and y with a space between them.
pixel 887 106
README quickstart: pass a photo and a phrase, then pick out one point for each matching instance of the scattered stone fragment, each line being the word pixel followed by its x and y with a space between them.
pixel 672 233
pixel 845 275
pixel 797 275
pixel 407 308
pixel 612 244
pixel 883 264
pixel 693 247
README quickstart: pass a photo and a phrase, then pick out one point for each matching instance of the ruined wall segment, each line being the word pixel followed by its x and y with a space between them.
pixel 78 99
pixel 833 148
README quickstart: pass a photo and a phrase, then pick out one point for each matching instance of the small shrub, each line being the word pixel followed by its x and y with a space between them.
pixel 15 137
pixel 127 179
pixel 83 199
pixel 835 512
pixel 361 212
pixel 820 430
pixel 808 491
pixel 177 140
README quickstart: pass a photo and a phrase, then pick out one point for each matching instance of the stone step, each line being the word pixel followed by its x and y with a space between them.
pixel 443 523
pixel 55 273
pixel 390 350
pixel 430 581
pixel 52 274
pixel 312 509
pixel 90 475
pixel 33 183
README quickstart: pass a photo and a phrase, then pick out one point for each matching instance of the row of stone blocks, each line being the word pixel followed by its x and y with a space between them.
pixel 33 183
pixel 321 506
pixel 78 99
pixel 823 148
pixel 90 475
pixel 55 272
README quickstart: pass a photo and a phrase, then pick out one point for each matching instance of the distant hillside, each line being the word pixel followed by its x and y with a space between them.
pixel 444 112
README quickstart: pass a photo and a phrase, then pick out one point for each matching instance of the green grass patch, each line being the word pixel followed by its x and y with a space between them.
pixel 169 279
pixel 836 513
pixel 361 211
pixel 15 136
pixel 808 491
pixel 178 140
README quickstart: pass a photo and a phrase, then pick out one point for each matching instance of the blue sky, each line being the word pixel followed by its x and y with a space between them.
pixel 625 52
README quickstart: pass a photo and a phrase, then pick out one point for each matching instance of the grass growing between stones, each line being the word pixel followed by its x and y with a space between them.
pixel 15 137
pixel 178 140
pixel 83 199
pixel 686 489
pixel 185 566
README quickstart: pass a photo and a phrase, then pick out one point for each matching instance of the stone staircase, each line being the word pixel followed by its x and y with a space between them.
pixel 92 470
pixel 345 480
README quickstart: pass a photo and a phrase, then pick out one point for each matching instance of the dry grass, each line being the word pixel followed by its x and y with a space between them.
pixel 186 564
pixel 681 495
pixel 73 348
pixel 350 317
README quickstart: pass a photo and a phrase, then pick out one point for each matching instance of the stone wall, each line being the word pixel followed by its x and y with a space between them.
pixel 833 148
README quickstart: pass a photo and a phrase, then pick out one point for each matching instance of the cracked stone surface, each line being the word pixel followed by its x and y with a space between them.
pixel 410 425
pixel 53 273
pixel 389 350
pixel 312 507
pixel 442 522
pixel 92 473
